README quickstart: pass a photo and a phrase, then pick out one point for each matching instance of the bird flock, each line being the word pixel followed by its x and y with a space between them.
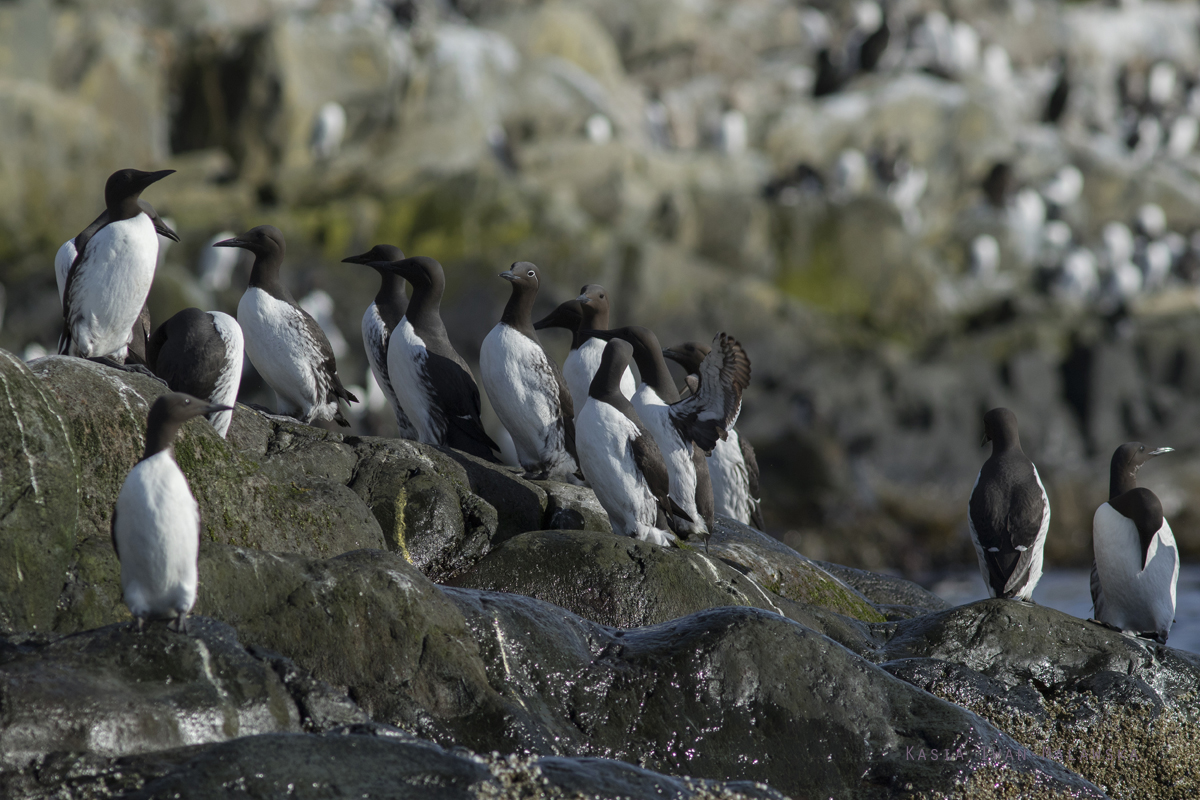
pixel 644 448
pixel 663 463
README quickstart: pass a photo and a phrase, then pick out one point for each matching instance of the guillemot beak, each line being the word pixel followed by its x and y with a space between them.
pixel 1160 451
pixel 605 335
pixel 985 440
pixel 671 354
pixel 364 258
pixel 147 178
pixel 234 242
pixel 214 408
pixel 163 229
pixel 508 275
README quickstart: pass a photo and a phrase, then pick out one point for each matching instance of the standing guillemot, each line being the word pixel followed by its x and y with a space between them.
pixel 585 313
pixel 200 353
pixel 687 430
pixel 380 320
pixel 732 465
pixel 433 383
pixel 620 458
pixel 1008 512
pixel 284 343
pixel 106 283
pixel 525 386
pixel 1136 564
pixel 156 522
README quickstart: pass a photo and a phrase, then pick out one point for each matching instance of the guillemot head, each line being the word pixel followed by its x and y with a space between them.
pixel 421 271
pixel 1130 457
pixel 125 184
pixel 168 414
pixel 523 275
pixel 1000 427
pixel 380 253
pixel 568 315
pixel 265 240
pixel 688 355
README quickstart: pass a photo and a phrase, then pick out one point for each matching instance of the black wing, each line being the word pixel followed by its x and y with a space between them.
pixel 1097 592
pixel 705 503
pixel 327 365
pixel 456 396
pixel 180 352
pixel 140 342
pixel 705 416
pixel 756 517
pixel 566 408
pixel 112 531
pixel 649 461
pixel 1007 512
pixel 64 339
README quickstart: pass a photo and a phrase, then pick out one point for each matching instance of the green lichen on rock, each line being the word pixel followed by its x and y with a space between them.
pixel 39 499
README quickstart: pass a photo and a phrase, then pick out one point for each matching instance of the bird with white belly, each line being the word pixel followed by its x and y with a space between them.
pixel 200 353
pixel 1136 564
pixel 525 386
pixel 105 283
pixel 283 342
pixel 156 522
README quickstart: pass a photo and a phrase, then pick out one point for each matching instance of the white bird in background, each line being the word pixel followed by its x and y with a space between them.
pixel 985 256
pixel 216 264
pixel 599 129
pixel 328 131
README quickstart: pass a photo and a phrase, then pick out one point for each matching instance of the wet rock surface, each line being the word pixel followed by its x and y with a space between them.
pixel 745 662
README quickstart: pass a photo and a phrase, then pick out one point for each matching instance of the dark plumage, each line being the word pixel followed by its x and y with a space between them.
pixel 1008 512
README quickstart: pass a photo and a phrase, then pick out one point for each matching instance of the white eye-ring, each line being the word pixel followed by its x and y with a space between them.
pixel 530 273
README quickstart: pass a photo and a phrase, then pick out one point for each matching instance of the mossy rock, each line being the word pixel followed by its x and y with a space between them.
pixel 39 499
pixel 785 572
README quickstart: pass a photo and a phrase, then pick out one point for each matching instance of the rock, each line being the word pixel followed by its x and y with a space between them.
pixel 1116 709
pixel 894 597
pixel 575 508
pixel 39 500
pixel 520 504
pixel 360 764
pixel 113 692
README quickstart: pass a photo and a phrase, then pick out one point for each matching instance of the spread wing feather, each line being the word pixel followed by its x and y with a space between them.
pixel 706 415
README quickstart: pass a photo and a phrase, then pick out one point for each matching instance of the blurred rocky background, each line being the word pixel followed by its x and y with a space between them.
pixel 908 212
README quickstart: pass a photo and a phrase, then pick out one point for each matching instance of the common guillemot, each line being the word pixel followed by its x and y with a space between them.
pixel 284 343
pixel 525 386
pixel 156 521
pixel 433 383
pixel 620 458
pixel 1008 512
pixel 1136 564
pixel 687 430
pixel 380 320
pixel 200 353
pixel 104 286
pixel 585 313
pixel 732 466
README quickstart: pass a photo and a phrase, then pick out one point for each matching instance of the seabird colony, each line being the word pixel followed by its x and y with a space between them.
pixel 662 463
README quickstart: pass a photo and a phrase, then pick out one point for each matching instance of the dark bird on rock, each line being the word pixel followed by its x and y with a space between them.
pixel 732 466
pixel 283 342
pixel 380 320
pixel 105 283
pixel 1008 512
pixel 156 522
pixel 200 353
pixel 524 384
pixel 432 382
pixel 1136 563
pixel 620 458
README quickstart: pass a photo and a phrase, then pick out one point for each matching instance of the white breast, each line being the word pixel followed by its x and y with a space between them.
pixel 226 391
pixel 63 260
pixel 730 480
pixel 655 415
pixel 406 358
pixel 581 367
pixel 1135 598
pixel 114 278
pixel 520 382
pixel 158 538
pixel 375 342
pixel 275 342
pixel 604 440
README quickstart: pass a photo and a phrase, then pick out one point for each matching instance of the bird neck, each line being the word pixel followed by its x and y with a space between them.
pixel 265 275
pixel 655 374
pixel 593 320
pixel 1121 479
pixel 391 301
pixel 425 308
pixel 518 313
pixel 160 435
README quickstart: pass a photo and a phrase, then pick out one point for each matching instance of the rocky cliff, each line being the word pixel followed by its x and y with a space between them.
pixel 378 616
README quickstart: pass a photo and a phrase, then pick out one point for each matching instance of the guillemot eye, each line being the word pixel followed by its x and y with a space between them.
pixel 530 273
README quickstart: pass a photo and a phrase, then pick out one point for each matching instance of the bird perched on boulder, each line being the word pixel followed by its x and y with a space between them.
pixel 200 353
pixel 379 322
pixel 156 522
pixel 525 386
pixel 432 382
pixel 620 458
pixel 687 430
pixel 284 343
pixel 732 466
pixel 1008 512
pixel 105 283
pixel 1136 564
pixel 587 312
